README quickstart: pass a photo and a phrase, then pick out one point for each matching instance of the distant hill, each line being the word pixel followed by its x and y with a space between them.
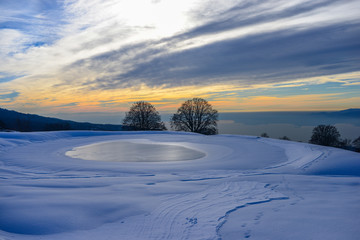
pixel 352 112
pixel 16 121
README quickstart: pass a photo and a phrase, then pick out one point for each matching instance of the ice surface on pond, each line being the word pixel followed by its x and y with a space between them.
pixel 124 151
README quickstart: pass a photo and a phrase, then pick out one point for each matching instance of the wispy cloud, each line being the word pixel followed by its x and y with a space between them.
pixel 6 97
pixel 308 102
pixel 85 47
pixel 247 43
pixel 6 78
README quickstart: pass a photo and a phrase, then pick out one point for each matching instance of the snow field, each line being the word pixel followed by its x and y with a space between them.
pixel 242 187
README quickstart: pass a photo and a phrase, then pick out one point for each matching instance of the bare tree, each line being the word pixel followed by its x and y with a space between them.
pixel 143 116
pixel 2 125
pixel 264 135
pixel 356 144
pixel 195 115
pixel 325 135
pixel 285 138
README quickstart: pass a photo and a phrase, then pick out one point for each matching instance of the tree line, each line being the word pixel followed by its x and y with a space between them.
pixel 197 115
pixel 328 135
pixel 194 115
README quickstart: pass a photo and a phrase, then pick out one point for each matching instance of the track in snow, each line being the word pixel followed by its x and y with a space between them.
pixel 197 215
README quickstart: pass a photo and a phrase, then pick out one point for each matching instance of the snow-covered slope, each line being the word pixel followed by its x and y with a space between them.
pixel 237 187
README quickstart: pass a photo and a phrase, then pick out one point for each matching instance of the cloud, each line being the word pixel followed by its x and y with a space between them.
pixel 86 47
pixel 263 58
pixel 6 78
pixel 252 13
pixel 68 105
pixel 305 102
pixel 37 20
pixel 242 43
pixel 6 97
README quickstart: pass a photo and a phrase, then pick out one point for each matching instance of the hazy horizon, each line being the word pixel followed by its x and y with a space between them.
pixel 116 117
pixel 297 126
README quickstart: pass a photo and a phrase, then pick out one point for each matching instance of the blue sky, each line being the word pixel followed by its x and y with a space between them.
pixel 100 56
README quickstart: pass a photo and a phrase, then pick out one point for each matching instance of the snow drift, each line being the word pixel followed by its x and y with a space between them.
pixel 46 192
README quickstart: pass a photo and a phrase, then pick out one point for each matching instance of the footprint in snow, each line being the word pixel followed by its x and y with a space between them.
pixel 258 216
pixel 247 234
pixel 192 221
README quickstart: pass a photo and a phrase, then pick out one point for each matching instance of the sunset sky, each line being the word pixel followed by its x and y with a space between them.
pixel 76 56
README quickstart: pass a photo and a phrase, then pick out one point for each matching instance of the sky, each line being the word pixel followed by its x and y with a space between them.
pixel 100 56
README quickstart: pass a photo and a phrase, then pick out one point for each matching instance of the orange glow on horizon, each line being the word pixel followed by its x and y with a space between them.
pixel 42 96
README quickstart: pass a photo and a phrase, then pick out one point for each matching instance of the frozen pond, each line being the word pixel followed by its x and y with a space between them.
pixel 122 151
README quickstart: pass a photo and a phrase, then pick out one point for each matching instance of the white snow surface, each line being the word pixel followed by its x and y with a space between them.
pixel 172 185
